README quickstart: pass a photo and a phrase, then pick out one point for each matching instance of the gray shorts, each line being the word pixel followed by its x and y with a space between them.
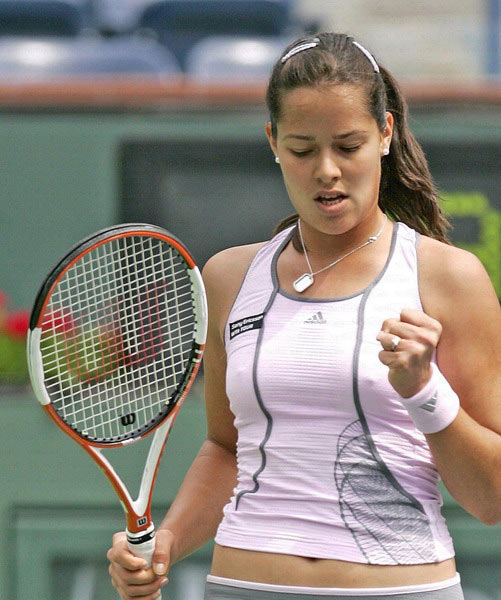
pixel 221 591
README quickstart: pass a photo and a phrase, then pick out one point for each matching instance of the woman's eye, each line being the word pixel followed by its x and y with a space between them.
pixel 350 148
pixel 300 152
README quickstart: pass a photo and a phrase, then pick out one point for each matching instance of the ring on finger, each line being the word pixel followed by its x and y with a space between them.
pixel 395 341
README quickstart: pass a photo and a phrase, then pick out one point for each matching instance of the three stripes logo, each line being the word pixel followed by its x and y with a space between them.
pixel 316 319
pixel 431 405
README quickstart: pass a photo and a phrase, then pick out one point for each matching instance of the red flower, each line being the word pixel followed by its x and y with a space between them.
pixel 16 323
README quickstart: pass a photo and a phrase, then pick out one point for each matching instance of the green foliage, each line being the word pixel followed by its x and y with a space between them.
pixel 487 247
pixel 13 362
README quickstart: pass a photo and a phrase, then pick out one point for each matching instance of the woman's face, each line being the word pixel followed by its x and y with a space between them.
pixel 330 150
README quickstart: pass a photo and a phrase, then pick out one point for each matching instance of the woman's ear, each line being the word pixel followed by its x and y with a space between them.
pixel 388 132
pixel 272 141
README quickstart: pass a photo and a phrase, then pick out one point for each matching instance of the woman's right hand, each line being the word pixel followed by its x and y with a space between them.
pixel 129 574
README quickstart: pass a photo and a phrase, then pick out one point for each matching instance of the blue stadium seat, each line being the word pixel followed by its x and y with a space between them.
pixel 118 16
pixel 179 24
pixel 61 18
pixel 49 58
pixel 233 59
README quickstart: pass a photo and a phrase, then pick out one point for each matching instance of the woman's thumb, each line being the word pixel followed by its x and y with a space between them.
pixel 161 555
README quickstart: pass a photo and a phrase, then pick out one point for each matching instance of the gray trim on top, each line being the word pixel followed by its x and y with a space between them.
pixel 274 273
pixel 416 245
pixel 240 289
pixel 356 395
pixel 269 418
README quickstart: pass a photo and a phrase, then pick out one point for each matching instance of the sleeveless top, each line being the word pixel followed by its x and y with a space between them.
pixel 329 463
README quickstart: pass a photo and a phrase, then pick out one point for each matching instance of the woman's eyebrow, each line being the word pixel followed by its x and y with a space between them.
pixel 343 136
pixel 296 136
pixel 310 138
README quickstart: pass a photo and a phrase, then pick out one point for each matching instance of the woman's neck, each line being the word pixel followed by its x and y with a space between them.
pixel 324 247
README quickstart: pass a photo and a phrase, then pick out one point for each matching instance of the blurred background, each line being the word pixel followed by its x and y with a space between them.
pixel 153 111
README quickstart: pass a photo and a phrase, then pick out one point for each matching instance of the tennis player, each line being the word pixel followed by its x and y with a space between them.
pixel 352 361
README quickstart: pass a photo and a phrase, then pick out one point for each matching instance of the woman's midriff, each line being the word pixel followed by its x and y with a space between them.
pixel 286 569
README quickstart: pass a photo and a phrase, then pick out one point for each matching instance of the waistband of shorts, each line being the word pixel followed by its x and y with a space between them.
pixel 322 591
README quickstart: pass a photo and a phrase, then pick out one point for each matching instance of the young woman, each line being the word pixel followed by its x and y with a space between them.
pixel 369 365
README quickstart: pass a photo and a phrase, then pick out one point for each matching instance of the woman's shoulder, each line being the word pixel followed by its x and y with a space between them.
pixel 450 275
pixel 230 264
pixel 223 275
pixel 439 259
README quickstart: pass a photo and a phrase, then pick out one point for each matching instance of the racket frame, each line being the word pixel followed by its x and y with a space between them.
pixel 140 529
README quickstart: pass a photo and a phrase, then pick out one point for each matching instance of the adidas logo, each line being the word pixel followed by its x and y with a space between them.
pixel 316 319
pixel 430 405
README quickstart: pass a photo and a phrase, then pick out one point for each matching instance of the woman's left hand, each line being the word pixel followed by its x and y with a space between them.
pixel 409 343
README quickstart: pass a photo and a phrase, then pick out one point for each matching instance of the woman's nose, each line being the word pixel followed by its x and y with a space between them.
pixel 327 168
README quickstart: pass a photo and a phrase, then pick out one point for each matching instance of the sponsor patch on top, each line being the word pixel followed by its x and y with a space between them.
pixel 246 324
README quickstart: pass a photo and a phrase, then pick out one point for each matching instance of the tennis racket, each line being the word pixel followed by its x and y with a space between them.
pixel 115 340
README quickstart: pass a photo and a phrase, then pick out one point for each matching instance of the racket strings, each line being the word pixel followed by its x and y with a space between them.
pixel 118 336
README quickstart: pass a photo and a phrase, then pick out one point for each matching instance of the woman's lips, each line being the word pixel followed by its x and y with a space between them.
pixel 330 202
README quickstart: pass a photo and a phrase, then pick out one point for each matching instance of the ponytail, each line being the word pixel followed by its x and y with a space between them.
pixel 407 192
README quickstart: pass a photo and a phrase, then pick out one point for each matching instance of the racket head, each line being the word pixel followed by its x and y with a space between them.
pixel 117 333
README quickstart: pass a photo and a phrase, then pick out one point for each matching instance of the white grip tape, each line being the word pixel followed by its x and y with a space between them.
pixel 144 550
pixel 434 407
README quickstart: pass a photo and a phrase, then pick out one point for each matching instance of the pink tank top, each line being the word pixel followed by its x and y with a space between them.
pixel 329 463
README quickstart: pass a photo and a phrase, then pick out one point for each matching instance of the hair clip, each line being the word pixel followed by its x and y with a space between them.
pixel 368 54
pixel 299 48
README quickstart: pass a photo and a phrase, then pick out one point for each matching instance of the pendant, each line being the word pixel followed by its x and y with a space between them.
pixel 303 282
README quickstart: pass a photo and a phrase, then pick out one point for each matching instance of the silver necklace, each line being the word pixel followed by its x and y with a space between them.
pixel 304 281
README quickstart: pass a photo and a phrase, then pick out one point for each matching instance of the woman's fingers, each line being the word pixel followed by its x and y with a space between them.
pixel 408 344
pixel 129 574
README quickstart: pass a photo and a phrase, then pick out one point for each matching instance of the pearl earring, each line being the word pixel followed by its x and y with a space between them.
pixel 386 151
pixel 277 160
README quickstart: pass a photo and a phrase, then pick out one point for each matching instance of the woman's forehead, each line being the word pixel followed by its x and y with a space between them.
pixel 327 103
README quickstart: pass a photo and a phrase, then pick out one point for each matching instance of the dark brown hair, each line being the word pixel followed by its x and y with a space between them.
pixel 406 192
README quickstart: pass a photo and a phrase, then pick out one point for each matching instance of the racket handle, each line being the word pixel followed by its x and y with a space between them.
pixel 143 549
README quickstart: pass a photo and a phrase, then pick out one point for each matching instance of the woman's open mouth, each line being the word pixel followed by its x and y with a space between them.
pixel 331 198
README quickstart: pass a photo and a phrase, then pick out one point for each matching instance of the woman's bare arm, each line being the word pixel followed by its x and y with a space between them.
pixel 462 323
pixel 458 293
